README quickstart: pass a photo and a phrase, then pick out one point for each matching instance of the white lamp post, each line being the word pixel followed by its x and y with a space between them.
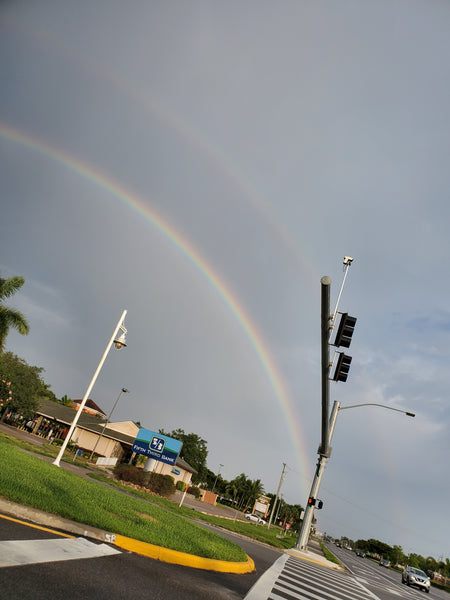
pixel 119 342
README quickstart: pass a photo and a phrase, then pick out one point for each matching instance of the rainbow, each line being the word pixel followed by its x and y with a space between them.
pixel 196 139
pixel 187 249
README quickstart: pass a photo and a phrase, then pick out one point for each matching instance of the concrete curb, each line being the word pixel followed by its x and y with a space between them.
pixel 45 519
pixel 314 558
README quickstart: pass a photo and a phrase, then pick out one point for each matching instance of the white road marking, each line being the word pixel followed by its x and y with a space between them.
pixel 25 552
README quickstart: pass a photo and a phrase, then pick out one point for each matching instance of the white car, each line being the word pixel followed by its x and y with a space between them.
pixel 255 518
pixel 416 577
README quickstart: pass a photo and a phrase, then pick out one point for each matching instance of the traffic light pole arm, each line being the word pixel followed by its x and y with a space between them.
pixel 407 413
pixel 321 463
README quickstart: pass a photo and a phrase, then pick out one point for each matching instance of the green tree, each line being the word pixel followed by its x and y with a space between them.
pixel 10 317
pixel 253 489
pixel 65 400
pixel 194 451
pixel 26 384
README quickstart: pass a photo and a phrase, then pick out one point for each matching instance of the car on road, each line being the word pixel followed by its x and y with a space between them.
pixel 255 518
pixel 416 577
pixel 384 563
pixel 360 553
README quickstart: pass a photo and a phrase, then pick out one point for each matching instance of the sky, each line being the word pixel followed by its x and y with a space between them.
pixel 202 165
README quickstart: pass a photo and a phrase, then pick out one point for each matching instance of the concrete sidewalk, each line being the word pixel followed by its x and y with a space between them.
pixel 315 557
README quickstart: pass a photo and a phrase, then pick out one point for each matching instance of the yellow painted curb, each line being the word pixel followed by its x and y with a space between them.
pixel 181 558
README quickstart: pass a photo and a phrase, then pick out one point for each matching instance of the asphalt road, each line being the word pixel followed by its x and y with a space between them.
pixel 122 575
pixel 384 583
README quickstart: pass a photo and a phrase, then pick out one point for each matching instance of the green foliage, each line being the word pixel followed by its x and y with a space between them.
pixel 180 485
pixel 8 316
pixel 5 393
pixel 163 485
pixel 328 555
pixel 194 451
pixel 26 384
pixel 194 491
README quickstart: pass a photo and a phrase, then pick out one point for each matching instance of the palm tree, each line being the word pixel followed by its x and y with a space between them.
pixel 8 316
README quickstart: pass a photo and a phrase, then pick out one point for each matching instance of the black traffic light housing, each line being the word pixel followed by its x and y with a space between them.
pixel 342 367
pixel 315 502
pixel 345 331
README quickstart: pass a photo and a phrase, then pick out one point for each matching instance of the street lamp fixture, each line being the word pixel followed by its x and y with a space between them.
pixel 119 342
pixel 405 412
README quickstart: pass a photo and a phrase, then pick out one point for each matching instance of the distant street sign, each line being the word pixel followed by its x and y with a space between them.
pixel 157 446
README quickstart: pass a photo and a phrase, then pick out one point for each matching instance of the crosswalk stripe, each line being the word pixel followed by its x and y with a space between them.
pixel 24 552
pixel 295 579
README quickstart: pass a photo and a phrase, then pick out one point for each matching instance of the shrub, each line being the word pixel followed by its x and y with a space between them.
pixel 180 485
pixel 163 485
pixel 195 491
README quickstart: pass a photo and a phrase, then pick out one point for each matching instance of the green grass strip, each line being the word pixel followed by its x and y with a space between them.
pixel 31 481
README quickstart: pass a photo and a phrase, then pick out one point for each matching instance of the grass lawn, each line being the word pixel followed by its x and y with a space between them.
pixel 119 524
pixel 31 481
pixel 251 530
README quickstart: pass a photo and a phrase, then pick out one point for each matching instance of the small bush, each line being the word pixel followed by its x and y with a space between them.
pixel 163 485
pixel 180 485
pixel 195 491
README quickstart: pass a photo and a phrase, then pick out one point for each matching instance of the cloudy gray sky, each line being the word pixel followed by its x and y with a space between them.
pixel 203 165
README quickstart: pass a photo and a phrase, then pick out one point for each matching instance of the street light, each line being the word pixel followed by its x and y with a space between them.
pixel 309 510
pixel 217 477
pixel 119 342
pixel 122 391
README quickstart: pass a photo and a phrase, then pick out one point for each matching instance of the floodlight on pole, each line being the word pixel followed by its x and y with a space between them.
pixel 119 343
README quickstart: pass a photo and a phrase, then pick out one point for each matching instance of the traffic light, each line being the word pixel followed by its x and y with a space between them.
pixel 319 504
pixel 311 501
pixel 345 331
pixel 342 367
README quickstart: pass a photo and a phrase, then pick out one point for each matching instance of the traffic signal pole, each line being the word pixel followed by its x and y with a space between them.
pixel 320 468
pixel 325 321
pixel 328 421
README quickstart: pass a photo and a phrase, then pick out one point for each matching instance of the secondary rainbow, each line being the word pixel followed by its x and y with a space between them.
pixel 188 250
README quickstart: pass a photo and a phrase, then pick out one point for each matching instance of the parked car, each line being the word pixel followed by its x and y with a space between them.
pixel 255 518
pixel 384 563
pixel 360 553
pixel 413 576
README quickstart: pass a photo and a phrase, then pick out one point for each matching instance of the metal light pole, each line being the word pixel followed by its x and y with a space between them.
pixel 123 390
pixel 217 477
pixel 307 520
pixel 119 342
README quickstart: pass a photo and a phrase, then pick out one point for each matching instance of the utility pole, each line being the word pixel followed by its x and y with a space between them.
pixel 276 497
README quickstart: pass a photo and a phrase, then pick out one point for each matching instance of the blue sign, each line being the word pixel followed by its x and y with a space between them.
pixel 157 446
